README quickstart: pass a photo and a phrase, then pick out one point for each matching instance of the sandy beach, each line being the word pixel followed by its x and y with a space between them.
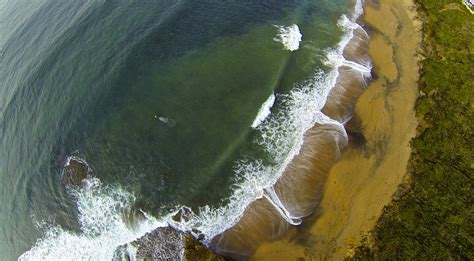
pixel 367 175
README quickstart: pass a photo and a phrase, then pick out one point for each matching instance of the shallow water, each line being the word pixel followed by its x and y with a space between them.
pixel 163 100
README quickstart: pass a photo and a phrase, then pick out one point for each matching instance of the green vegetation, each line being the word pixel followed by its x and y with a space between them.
pixel 433 217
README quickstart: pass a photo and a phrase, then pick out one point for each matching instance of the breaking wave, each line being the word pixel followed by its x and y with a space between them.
pixel 264 111
pixel 102 226
pixel 289 36
pixel 281 134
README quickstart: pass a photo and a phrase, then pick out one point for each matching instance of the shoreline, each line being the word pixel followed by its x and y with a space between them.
pixel 293 196
pixel 431 219
pixel 367 176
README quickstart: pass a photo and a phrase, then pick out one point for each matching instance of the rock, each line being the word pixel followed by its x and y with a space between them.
pixel 166 243
pixel 160 244
pixel 183 215
pixel 75 171
pixel 194 250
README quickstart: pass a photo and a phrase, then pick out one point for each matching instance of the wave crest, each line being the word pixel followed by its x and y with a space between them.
pixel 102 226
pixel 289 36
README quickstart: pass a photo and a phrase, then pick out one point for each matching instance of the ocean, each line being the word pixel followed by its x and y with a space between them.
pixel 188 108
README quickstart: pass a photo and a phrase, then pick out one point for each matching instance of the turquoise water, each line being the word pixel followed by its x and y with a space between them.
pixel 157 96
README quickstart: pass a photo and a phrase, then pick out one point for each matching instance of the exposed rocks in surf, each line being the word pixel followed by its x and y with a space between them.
pixel 75 171
pixel 193 250
pixel 183 215
pixel 161 243
pixel 279 210
pixel 165 243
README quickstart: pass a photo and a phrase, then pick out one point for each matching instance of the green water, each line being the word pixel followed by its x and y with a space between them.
pixel 157 96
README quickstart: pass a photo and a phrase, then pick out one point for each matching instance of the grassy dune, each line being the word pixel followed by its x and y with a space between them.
pixel 433 215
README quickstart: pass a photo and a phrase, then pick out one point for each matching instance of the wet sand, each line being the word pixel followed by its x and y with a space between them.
pixel 368 174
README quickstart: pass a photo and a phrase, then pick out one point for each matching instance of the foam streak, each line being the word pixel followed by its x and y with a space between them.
pixel 271 196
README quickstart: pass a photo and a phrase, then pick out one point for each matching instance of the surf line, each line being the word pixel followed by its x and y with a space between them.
pixel 216 221
pixel 336 59
pixel 213 222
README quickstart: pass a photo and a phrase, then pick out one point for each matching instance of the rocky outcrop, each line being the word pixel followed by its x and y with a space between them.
pixel 160 244
pixel 166 243
pixel 75 171
pixel 194 250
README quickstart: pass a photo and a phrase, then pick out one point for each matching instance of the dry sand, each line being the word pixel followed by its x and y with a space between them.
pixel 366 177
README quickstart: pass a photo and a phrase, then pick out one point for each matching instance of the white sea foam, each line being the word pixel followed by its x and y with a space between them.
pixel 289 36
pixel 272 197
pixel 281 135
pixel 264 111
pixel 101 223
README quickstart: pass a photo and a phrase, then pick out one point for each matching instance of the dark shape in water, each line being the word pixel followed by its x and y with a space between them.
pixel 193 250
pixel 75 171
pixel 166 243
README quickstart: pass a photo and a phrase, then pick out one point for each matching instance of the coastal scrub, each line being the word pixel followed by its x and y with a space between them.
pixel 432 217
